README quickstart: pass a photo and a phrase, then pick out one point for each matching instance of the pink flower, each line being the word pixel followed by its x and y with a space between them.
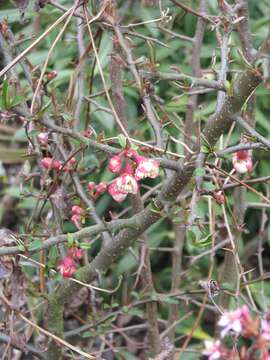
pixel 242 161
pixel 91 186
pixel 51 75
pixel 235 320
pixel 50 163
pixel 265 327
pixel 77 216
pixel 75 253
pixel 88 133
pixel 212 349
pixel 115 164
pixel 126 184
pixel 77 210
pixel 77 220
pixel 67 267
pixel 101 188
pixel 69 165
pixel 72 161
pixel 115 193
pixel 147 168
pixel 43 138
pixel 265 355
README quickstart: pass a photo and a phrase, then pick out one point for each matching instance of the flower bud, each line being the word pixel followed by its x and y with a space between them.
pixel 69 165
pixel 51 75
pixel 75 253
pixel 77 220
pixel 115 164
pixel 77 210
pixel 88 133
pixel 101 188
pixel 91 186
pixel 67 267
pixel 50 163
pixel 43 138
pixel 242 161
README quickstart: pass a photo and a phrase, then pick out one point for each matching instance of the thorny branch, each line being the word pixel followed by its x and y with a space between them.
pixel 120 234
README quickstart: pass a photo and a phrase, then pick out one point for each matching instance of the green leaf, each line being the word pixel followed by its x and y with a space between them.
pixel 70 239
pixel 125 309
pixel 114 305
pixel 203 242
pixel 85 246
pixel 5 94
pixel 122 140
pixel 205 149
pixel 154 296
pixel 207 185
pixel 34 245
pixel 134 147
pixel 135 312
pixel 227 286
pixel 58 276
pixel 170 300
pixel 124 354
pixel 154 208
pixel 199 172
pixel 43 109
pixel 16 101
pixel 227 85
pixel 198 334
pixel 152 51
pixel 21 247
pixel 88 334
pixel 52 257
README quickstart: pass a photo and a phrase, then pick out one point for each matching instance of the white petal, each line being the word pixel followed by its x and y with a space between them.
pixel 225 331
pixel 237 327
pixel 223 321
pixel 215 355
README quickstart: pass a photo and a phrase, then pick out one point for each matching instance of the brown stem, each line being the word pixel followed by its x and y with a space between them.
pixel 196 72
pixel 176 269
pixel 146 275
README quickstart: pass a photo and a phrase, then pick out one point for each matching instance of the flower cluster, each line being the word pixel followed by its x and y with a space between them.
pixel 240 322
pixel 68 266
pixel 236 321
pixel 132 168
pixel 214 350
pixel 78 216
pixel 242 161
pixel 50 163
